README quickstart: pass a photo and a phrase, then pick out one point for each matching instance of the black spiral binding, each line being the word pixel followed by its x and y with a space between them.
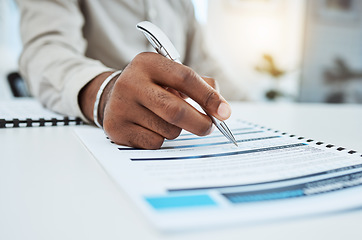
pixel 41 122
pixel 302 138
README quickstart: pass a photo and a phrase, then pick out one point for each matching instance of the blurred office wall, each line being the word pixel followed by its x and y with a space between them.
pixel 261 42
pixel 332 53
pixel 290 50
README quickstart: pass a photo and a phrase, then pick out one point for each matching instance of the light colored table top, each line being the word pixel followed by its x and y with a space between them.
pixel 51 187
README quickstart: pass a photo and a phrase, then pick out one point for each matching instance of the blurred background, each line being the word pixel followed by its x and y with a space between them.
pixel 278 50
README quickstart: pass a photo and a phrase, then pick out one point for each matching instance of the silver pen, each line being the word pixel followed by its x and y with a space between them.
pixel 162 44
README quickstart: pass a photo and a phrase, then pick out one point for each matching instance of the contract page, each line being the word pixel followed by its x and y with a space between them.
pixel 198 182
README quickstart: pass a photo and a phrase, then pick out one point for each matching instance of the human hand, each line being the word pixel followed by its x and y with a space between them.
pixel 145 104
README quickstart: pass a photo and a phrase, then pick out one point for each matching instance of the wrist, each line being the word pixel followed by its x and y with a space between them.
pixel 87 96
pixel 102 97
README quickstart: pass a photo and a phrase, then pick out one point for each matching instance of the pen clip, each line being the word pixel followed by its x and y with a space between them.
pixel 159 41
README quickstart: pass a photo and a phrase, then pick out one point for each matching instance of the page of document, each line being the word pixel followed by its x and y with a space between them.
pixel 199 182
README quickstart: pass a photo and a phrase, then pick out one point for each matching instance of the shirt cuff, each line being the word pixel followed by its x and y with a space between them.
pixel 75 86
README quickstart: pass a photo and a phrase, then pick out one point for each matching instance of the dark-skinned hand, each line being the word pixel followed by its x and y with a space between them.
pixel 145 104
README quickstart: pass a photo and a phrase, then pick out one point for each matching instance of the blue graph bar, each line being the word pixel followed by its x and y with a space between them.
pixel 171 202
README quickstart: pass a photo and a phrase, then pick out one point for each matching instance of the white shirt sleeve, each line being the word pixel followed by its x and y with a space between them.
pixel 53 60
pixel 68 43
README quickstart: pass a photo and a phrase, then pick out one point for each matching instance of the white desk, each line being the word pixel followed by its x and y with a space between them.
pixel 51 187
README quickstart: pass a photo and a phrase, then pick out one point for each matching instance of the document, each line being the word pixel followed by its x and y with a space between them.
pixel 28 112
pixel 201 182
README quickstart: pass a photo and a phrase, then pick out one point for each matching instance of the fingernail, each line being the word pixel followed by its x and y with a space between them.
pixel 224 110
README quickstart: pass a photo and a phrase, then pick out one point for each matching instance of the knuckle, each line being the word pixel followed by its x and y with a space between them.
pixel 117 138
pixel 140 57
pixel 174 113
pixel 143 58
pixel 137 139
pixel 173 133
pixel 164 128
pixel 139 60
pixel 115 130
pixel 156 143
pixel 204 130
pixel 136 60
pixel 210 97
pixel 187 76
pixel 147 141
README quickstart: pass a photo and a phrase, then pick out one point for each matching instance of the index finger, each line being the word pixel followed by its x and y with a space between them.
pixel 183 79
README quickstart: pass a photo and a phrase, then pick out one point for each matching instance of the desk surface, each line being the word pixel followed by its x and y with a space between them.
pixel 51 187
